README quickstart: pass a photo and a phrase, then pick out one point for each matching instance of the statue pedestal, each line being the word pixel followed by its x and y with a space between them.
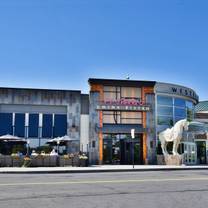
pixel 173 160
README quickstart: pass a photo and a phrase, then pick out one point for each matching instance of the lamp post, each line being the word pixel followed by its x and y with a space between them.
pixel 132 137
pixel 28 146
pixel 58 142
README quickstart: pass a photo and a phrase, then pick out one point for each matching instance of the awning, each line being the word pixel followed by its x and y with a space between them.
pixel 121 128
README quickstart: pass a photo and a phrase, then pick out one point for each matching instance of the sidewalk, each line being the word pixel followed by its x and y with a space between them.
pixel 103 168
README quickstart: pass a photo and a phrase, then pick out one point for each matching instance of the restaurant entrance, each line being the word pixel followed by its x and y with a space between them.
pixel 118 149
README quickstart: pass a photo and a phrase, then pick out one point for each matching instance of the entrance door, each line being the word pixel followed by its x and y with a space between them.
pixel 189 155
pixel 127 152
pixel 201 152
pixel 118 149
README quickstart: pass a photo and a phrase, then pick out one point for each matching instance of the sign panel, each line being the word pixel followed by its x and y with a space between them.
pixel 176 90
pixel 123 105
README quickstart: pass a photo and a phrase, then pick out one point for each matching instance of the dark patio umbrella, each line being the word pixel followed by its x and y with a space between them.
pixel 12 139
pixel 61 141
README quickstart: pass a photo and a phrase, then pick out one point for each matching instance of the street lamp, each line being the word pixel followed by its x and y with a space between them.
pixel 28 146
pixel 133 136
pixel 58 142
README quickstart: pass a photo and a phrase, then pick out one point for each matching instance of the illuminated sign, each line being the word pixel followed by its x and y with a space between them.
pixel 123 105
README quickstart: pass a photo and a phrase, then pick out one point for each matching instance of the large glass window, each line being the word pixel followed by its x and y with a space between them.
pixel 190 110
pixel 6 123
pixel 131 117
pixel 111 117
pixel 162 100
pixel 111 92
pixel 180 112
pixel 180 102
pixel 124 117
pixel 33 125
pixel 130 92
pixel 170 110
pixel 165 110
pixel 47 126
pixel 60 125
pixel 19 125
pixel 165 120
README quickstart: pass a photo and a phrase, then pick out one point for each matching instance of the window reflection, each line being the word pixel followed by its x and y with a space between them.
pixel 162 100
pixel 170 110
pixel 165 111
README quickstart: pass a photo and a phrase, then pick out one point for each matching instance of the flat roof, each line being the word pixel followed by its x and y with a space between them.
pixel 39 89
pixel 122 82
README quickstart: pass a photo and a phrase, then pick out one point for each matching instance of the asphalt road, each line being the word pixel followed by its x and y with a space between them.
pixel 166 189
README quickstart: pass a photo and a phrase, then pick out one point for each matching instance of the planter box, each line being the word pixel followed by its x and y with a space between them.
pixel 65 161
pixel 83 162
pixel 38 161
pixel 46 161
pixel 161 160
pixel 53 161
pixel 75 161
pixel 17 161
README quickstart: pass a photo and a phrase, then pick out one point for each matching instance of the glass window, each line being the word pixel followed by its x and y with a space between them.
pixel 6 123
pixel 111 117
pixel 110 95
pixel 33 125
pixel 129 115
pixel 165 111
pixel 190 114
pixel 109 89
pixel 180 112
pixel 180 102
pixel 19 125
pixel 60 125
pixel 131 121
pixel 179 118
pixel 164 120
pixel 162 100
pixel 47 126
pixel 130 92
pixel 189 104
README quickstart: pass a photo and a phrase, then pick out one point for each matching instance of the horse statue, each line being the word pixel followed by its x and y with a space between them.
pixel 174 135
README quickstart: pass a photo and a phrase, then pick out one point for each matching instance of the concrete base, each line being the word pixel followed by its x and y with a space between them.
pixel 160 160
pixel 173 160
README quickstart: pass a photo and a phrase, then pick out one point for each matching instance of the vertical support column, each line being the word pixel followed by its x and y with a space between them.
pixel 144 136
pixel 144 139
pixel 145 90
pixel 100 136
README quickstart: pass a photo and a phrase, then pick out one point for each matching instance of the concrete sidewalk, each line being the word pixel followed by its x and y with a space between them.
pixel 103 168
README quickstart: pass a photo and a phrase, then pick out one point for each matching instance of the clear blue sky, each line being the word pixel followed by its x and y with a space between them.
pixel 61 43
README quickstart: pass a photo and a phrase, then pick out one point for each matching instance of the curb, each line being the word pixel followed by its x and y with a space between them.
pixel 101 170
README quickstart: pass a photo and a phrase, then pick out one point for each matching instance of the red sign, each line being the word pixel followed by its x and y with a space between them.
pixel 123 101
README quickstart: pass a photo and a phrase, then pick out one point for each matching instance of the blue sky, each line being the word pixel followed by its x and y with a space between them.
pixel 61 43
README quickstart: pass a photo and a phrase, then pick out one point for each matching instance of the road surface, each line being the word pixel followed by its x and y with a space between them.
pixel 165 189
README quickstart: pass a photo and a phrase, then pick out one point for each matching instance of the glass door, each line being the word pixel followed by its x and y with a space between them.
pixel 190 153
pixel 201 152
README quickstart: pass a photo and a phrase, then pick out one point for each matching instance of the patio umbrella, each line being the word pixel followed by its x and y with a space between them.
pixel 12 139
pixel 61 141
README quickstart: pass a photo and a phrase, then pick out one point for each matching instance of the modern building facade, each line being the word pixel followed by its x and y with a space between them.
pixel 99 123
pixel 117 106
pixel 41 114
pixel 201 140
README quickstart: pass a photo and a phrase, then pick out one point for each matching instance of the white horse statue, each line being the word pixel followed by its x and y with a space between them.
pixel 174 135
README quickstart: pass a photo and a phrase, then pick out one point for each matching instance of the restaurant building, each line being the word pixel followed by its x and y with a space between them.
pixel 100 122
pixel 42 114
pixel 117 106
